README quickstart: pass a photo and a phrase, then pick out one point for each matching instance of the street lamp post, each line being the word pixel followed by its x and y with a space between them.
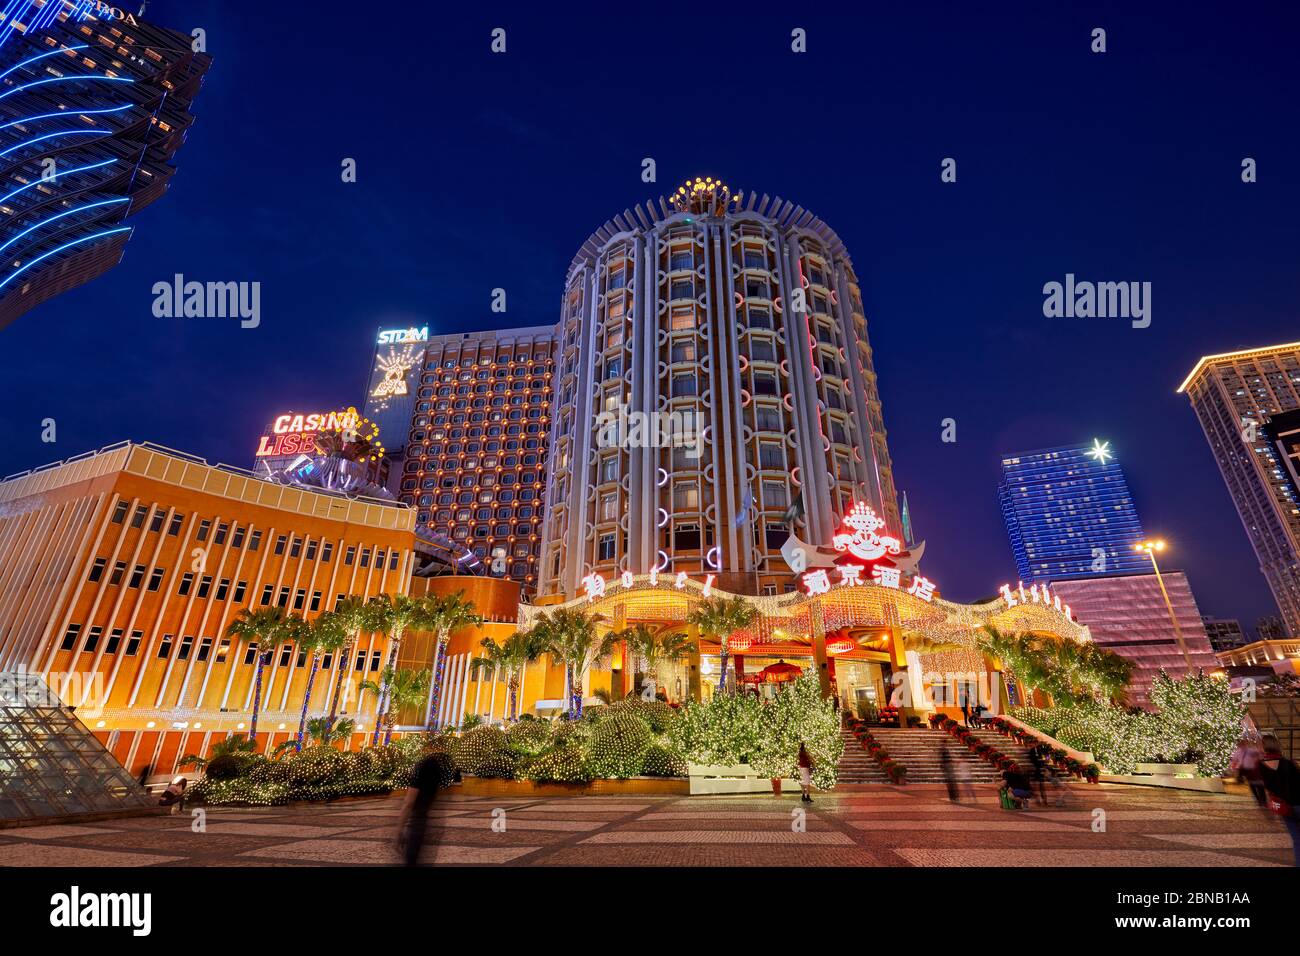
pixel 1150 548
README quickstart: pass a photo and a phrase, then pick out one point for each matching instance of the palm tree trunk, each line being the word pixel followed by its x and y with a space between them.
pixel 389 720
pixel 723 650
pixel 257 695
pixel 568 688
pixel 438 667
pixel 381 705
pixel 342 664
pixel 306 698
pixel 513 685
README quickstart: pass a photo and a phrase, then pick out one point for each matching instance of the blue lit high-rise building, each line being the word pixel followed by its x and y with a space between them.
pixel 1069 513
pixel 94 104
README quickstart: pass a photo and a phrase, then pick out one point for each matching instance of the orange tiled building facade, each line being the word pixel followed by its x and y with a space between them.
pixel 122 569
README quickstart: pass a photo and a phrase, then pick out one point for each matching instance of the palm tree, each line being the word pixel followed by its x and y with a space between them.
pixel 512 655
pixel 442 616
pixel 325 635
pixel 569 636
pixel 233 744
pixel 402 688
pixel 393 615
pixel 354 615
pixel 720 618
pixel 325 733
pixel 655 648
pixel 261 627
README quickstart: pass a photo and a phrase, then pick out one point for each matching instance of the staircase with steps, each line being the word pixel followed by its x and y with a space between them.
pixel 919 750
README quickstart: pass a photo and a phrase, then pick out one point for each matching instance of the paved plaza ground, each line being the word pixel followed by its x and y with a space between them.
pixel 867 826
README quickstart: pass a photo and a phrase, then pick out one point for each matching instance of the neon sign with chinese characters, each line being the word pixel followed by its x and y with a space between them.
pixel 867 557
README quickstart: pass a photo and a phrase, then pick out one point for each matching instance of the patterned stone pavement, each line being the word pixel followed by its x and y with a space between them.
pixel 867 826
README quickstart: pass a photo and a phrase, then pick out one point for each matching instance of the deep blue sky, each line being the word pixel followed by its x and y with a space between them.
pixel 478 171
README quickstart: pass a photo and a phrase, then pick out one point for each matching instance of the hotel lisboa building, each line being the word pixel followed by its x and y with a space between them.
pixel 735 317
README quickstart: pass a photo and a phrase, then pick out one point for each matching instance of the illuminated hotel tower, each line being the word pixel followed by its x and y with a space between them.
pixel 93 105
pixel 686 315
pixel 1247 404
pixel 465 417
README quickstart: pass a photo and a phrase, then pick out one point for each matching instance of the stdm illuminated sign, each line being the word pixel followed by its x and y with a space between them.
pixel 402 336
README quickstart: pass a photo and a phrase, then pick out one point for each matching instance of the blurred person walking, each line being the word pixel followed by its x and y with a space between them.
pixel 430 775
pixel 1281 779
pixel 1245 761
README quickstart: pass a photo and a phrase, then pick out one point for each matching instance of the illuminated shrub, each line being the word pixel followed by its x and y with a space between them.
pixel 529 737
pixel 562 764
pixel 317 766
pixel 656 713
pixel 618 745
pixel 660 761
pixel 571 732
pixel 479 746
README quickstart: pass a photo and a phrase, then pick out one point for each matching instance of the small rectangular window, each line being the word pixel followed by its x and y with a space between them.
pixel 254 540
pixel 174 527
pixel 70 638
pixel 165 648
pixel 119 513
pixel 141 512
pixel 133 643
pixel 205 649
pixel 156 578
pixel 97 569
pixel 204 527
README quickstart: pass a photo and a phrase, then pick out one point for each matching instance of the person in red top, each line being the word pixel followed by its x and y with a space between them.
pixel 805 773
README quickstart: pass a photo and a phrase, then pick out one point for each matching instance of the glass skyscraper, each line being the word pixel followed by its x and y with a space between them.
pixel 94 103
pixel 1069 513
pixel 1247 403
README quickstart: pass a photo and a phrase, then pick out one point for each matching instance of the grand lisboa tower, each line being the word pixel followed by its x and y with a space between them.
pixel 714 394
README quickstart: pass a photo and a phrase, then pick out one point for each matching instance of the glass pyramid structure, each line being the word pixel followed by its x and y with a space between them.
pixel 51 765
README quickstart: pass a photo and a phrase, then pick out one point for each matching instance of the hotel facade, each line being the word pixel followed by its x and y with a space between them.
pixel 713 376
pixel 94 104
pixel 465 418
pixel 1238 397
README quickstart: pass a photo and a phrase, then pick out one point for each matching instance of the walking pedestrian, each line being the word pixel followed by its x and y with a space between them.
pixel 431 774
pixel 945 765
pixel 1281 779
pixel 805 773
pixel 1038 774
pixel 1245 761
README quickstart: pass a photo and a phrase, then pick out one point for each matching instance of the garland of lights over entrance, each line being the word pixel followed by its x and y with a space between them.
pixel 867 580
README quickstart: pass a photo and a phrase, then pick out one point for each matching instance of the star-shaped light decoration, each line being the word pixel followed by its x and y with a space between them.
pixel 1100 451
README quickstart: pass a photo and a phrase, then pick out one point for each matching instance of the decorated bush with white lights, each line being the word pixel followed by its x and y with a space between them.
pixel 566 763
pixel 479 749
pixel 1198 721
pixel 529 737
pixel 662 761
pixel 618 745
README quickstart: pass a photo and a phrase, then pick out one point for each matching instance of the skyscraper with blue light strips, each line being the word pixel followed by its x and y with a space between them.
pixel 94 103
pixel 1069 513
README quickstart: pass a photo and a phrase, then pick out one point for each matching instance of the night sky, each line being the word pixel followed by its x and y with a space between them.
pixel 480 170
